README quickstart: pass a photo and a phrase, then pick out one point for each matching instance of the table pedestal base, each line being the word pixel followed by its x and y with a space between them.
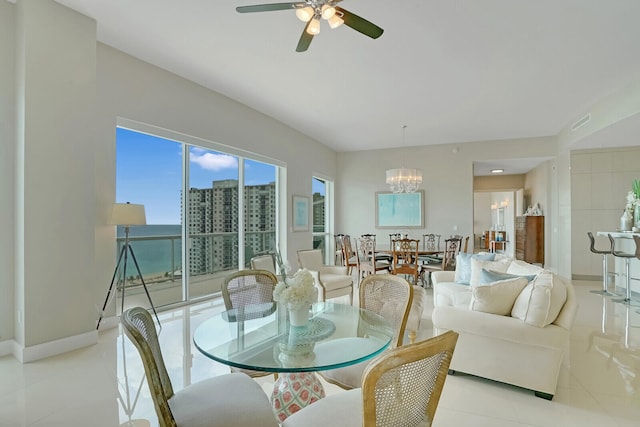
pixel 294 391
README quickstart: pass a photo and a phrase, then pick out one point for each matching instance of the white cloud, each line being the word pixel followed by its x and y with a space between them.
pixel 213 162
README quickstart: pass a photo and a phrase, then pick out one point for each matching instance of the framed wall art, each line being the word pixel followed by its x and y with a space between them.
pixel 300 213
pixel 394 210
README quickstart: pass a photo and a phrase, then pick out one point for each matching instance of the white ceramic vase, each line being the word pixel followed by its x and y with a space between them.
pixel 299 317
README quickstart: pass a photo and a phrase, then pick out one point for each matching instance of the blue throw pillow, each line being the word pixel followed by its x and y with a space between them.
pixel 463 266
pixel 488 276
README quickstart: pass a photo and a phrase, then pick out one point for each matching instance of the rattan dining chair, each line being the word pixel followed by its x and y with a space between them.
pixel 221 401
pixel 389 296
pixel 245 287
pixel 400 389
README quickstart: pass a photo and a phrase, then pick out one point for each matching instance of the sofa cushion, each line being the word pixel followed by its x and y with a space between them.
pixel 497 297
pixel 540 301
pixel 522 268
pixel 477 265
pixel 490 276
pixel 451 293
pixel 463 265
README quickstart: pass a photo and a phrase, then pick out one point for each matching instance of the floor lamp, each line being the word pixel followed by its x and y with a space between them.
pixel 126 214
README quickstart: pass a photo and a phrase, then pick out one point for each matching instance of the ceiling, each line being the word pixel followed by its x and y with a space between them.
pixel 453 71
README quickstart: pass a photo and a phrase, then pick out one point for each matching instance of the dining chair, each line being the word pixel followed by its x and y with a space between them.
pixel 339 255
pixel 451 250
pixel 348 254
pixel 402 388
pixel 466 245
pixel 366 259
pixel 431 242
pixel 405 258
pixel 245 287
pixel 392 237
pixel 332 280
pixel 219 401
pixel 389 296
pixel 264 262
pixel 378 257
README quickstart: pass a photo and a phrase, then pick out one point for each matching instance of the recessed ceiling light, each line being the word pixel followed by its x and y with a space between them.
pixel 497 170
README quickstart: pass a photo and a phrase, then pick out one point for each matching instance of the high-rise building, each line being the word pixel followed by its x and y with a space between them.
pixel 213 224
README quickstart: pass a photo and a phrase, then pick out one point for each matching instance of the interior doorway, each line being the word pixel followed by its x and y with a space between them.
pixel 494 214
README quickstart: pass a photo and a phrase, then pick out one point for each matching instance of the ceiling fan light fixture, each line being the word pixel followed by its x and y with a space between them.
pixel 328 11
pixel 335 21
pixel 314 27
pixel 305 13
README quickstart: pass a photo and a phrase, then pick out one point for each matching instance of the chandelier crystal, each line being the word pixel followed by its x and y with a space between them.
pixel 404 180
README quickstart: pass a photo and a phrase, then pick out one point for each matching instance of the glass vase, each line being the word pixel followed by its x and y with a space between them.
pixel 636 216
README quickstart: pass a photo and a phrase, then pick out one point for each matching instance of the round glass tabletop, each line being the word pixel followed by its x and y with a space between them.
pixel 259 337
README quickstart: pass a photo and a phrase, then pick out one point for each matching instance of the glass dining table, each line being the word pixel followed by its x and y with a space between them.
pixel 259 338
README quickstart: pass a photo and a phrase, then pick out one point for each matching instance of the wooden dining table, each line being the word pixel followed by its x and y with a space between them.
pixel 386 250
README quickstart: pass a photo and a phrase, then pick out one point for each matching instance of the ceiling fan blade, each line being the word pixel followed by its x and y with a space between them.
pixel 305 39
pixel 360 24
pixel 267 7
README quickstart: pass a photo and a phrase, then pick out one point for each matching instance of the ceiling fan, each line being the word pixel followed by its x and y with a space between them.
pixel 310 11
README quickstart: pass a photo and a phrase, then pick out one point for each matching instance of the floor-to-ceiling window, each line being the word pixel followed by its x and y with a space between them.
pixel 210 200
pixel 322 217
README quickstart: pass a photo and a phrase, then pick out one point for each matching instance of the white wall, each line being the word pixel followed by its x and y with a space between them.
pixel 7 158
pixel 612 122
pixel 71 90
pixel 447 172
pixel 481 212
pixel 600 180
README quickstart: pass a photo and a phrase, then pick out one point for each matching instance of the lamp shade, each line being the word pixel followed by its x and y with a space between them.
pixel 127 214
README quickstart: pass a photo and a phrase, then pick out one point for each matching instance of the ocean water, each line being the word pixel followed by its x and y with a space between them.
pixel 154 256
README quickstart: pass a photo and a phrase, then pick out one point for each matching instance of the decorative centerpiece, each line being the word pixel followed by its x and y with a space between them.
pixel 632 209
pixel 297 294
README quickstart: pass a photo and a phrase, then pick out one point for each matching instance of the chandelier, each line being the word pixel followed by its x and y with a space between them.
pixel 404 180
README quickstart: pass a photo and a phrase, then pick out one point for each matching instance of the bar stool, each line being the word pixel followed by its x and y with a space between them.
pixel 605 266
pixel 627 256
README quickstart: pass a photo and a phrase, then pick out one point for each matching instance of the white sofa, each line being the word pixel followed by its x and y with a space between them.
pixel 505 348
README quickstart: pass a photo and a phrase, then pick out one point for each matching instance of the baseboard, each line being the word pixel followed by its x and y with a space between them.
pixel 109 322
pixel 53 348
pixel 586 277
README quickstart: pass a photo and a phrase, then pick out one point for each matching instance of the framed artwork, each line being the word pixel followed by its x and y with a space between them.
pixel 300 213
pixel 394 210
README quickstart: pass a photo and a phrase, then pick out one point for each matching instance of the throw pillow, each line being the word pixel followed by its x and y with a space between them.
pixel 540 301
pixel 489 276
pixel 522 268
pixel 463 266
pixel 477 265
pixel 497 297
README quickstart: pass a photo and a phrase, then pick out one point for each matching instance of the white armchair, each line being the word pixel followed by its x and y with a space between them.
pixel 332 280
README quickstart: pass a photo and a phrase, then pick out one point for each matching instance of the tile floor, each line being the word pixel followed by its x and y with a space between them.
pixel 103 385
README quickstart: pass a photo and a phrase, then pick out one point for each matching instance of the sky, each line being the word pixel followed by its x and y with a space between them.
pixel 149 172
